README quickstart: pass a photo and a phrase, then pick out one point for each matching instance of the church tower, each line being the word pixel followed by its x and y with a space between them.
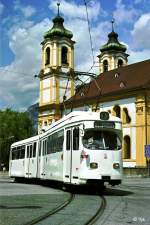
pixel 56 75
pixel 113 53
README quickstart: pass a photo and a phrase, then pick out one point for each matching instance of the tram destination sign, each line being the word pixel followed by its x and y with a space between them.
pixel 104 124
pixel 147 151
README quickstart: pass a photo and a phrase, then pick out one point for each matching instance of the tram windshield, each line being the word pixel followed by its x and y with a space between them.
pixel 101 140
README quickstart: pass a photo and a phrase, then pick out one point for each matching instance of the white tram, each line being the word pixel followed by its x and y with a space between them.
pixel 80 148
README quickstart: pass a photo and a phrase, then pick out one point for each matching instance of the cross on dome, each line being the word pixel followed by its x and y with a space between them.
pixel 58 4
pixel 113 21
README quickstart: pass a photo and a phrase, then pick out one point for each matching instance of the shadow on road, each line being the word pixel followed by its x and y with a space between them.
pixel 116 192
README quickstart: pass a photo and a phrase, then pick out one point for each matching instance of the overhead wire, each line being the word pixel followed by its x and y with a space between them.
pixel 93 63
pixel 89 30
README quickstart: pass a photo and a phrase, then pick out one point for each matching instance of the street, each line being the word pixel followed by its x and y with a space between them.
pixel 128 203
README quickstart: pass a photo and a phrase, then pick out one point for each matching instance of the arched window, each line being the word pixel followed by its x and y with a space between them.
pixel 125 116
pixel 126 147
pixel 105 65
pixel 64 55
pixel 47 56
pixel 120 63
pixel 117 111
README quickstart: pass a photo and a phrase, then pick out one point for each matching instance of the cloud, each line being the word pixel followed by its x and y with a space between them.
pixel 1 8
pixel 27 11
pixel 137 1
pixel 141 32
pixel 17 82
pixel 74 10
pixel 137 56
pixel 124 14
pixel 18 86
pixel 83 54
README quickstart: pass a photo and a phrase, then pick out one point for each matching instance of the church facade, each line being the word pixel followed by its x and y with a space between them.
pixel 121 89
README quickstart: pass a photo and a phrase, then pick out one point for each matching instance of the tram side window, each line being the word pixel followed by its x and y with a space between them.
pixel 22 152
pixel 34 149
pixel 40 145
pixel 76 139
pixel 68 140
pixel 18 152
pixel 45 143
pixel 43 148
pixel 55 142
pixel 60 141
pixel 31 153
pixel 28 151
pixel 13 153
pixel 49 145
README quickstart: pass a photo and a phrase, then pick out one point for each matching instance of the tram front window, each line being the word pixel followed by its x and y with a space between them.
pixel 101 140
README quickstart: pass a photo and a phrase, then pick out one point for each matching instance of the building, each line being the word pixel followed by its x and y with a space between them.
pixel 121 89
pixel 56 75
pixel 113 53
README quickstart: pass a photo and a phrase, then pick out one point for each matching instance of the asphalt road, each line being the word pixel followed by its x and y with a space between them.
pixel 128 203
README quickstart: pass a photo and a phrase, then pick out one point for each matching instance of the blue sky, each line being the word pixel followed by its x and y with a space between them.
pixel 23 23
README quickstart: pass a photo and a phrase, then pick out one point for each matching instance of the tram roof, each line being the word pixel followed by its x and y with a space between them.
pixel 25 141
pixel 77 116
pixel 71 118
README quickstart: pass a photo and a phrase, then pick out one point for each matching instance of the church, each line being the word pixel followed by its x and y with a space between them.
pixel 121 89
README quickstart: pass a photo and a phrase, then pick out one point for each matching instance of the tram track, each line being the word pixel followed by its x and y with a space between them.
pixel 65 206
pixel 98 214
pixel 52 212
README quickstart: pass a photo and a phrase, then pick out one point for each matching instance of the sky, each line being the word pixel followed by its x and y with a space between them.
pixel 24 22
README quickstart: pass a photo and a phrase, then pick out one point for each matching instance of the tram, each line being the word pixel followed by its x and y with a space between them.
pixel 81 148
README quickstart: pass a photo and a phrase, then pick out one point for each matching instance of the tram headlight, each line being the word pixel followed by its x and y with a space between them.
pixel 93 165
pixel 116 165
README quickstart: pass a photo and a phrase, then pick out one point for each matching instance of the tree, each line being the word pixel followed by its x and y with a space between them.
pixel 14 126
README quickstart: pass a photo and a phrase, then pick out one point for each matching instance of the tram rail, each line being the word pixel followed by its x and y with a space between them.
pixel 99 212
pixel 90 221
pixel 52 212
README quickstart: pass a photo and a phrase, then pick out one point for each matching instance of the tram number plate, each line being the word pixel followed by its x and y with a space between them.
pixel 107 124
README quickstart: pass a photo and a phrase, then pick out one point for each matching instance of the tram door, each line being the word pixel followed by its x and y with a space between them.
pixel 43 159
pixel 31 160
pixel 39 159
pixel 72 156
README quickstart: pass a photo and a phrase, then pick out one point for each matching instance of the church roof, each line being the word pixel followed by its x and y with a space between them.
pixel 113 43
pixel 111 83
pixel 58 29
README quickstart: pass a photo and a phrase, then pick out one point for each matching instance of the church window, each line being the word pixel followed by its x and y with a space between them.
pixel 117 111
pixel 126 147
pixel 125 116
pixel 105 65
pixel 64 55
pixel 47 56
pixel 120 63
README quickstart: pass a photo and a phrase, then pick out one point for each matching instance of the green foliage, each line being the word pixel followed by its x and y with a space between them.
pixel 14 126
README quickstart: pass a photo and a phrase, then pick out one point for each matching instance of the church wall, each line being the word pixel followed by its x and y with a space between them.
pixel 129 129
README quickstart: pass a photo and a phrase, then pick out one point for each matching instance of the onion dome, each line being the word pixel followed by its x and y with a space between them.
pixel 113 43
pixel 58 28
